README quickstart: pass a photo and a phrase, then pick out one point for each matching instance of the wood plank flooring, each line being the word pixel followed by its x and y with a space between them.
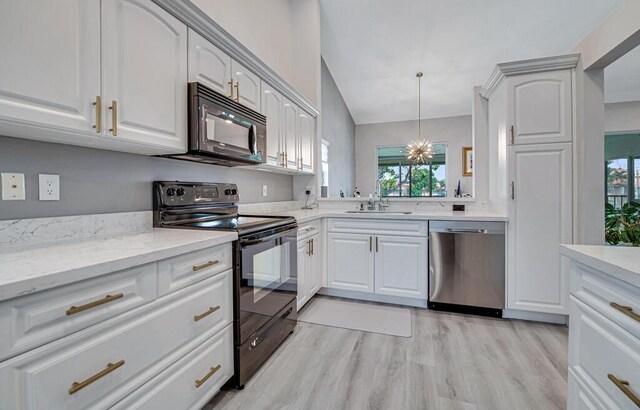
pixel 452 361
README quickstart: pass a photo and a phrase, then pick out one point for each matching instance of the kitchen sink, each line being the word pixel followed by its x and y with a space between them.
pixel 379 212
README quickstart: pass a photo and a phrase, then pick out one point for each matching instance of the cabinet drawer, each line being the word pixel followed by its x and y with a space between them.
pixel 184 385
pixel 580 396
pixel 378 226
pixel 599 348
pixel 600 291
pixel 183 270
pixel 115 358
pixel 39 318
pixel 310 228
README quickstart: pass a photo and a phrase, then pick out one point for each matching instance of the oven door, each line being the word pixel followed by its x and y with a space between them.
pixel 224 132
pixel 266 278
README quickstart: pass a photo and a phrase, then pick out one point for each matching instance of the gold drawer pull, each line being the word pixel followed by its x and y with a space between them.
pixel 109 298
pixel 205 314
pixel 114 118
pixel 98 105
pixel 76 387
pixel 623 385
pixel 205 265
pixel 213 371
pixel 627 310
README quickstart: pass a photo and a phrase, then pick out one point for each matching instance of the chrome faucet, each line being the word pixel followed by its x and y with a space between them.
pixel 371 204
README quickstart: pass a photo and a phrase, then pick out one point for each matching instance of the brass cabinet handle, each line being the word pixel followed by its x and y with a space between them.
pixel 77 386
pixel 205 265
pixel 313 248
pixel 98 105
pixel 205 314
pixel 376 244
pixel 212 371
pixel 512 136
pixel 627 310
pixel 309 247
pixel 231 88
pixel 370 243
pixel 114 117
pixel 623 385
pixel 286 159
pixel 513 190
pixel 109 298
pixel 238 91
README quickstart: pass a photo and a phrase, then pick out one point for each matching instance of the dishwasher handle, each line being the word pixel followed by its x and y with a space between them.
pixel 451 230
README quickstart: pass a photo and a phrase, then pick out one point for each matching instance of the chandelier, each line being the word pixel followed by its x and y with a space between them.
pixel 420 151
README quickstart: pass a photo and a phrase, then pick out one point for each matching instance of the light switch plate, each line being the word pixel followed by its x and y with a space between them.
pixel 13 187
pixel 49 187
pixel 264 190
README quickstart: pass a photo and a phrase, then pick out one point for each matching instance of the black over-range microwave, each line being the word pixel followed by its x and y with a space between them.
pixel 223 131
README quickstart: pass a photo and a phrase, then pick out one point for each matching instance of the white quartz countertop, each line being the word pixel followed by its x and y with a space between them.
pixel 620 262
pixel 32 268
pixel 303 216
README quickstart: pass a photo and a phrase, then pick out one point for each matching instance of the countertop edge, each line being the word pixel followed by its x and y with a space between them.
pixel 18 288
pixel 610 268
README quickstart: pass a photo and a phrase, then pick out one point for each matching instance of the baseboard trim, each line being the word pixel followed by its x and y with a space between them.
pixel 535 316
pixel 371 297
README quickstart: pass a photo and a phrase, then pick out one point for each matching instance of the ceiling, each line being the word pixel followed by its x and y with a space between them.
pixel 622 78
pixel 374 48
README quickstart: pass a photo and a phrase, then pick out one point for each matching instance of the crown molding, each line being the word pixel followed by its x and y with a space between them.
pixel 199 21
pixel 535 65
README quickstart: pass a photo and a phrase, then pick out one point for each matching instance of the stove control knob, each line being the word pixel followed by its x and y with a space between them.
pixel 228 191
pixel 234 191
pixel 171 191
pixel 180 191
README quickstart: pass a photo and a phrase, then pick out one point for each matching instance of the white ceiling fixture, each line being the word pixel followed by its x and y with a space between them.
pixel 373 47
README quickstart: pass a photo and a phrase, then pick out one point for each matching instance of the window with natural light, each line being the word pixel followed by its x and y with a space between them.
pixel 399 177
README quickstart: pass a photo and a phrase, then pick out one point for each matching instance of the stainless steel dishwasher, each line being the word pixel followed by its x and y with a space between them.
pixel 467 267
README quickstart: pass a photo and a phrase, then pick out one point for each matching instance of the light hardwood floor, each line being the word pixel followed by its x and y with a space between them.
pixel 452 361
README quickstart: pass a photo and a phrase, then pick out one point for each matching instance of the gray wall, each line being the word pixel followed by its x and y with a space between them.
pixel 456 132
pixel 338 128
pixel 623 116
pixel 99 181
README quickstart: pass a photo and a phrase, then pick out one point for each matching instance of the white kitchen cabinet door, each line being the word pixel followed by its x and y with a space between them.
pixel 144 59
pixel 50 64
pixel 272 109
pixel 208 64
pixel 306 131
pixel 540 105
pixel 401 266
pixel 315 266
pixel 290 134
pixel 350 261
pixel 303 273
pixel 540 219
pixel 247 86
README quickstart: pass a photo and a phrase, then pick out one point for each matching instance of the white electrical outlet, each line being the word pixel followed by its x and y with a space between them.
pixel 264 190
pixel 13 187
pixel 49 187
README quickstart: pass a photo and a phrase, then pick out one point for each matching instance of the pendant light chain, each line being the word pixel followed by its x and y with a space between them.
pixel 419 75
pixel 419 150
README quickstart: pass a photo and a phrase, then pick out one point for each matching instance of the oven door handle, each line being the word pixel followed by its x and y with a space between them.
pixel 244 242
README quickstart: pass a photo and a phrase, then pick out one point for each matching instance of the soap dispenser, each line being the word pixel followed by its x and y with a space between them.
pixel 356 193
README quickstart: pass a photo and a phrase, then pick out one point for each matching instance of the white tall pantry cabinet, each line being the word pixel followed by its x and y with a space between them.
pixel 531 132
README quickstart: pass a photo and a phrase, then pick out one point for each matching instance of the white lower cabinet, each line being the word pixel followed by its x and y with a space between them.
pixel 604 341
pixel 373 261
pixel 114 346
pixel 401 266
pixel 350 261
pixel 309 272
pixel 191 381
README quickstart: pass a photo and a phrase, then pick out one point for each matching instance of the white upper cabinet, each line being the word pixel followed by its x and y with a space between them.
pixel 540 220
pixel 272 109
pixel 290 134
pixel 246 86
pixel 540 107
pixel 208 64
pixel 401 266
pixel 50 64
pixel 145 73
pixel 306 131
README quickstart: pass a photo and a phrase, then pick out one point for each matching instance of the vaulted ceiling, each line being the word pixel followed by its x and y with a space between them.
pixel 374 48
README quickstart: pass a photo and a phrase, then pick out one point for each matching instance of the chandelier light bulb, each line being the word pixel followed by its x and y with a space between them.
pixel 420 151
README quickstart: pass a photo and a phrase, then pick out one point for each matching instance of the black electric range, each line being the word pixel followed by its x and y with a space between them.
pixel 264 265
